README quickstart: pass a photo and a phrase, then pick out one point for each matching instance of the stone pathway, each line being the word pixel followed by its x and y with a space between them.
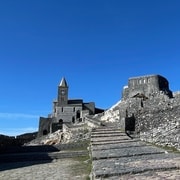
pixel 60 169
pixel 117 156
pixel 63 165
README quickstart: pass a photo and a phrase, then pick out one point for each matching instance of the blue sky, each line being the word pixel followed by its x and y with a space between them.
pixel 96 45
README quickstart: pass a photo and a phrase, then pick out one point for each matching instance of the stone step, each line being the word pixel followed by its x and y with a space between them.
pixel 108 133
pixel 126 152
pixel 136 164
pixel 106 130
pixel 96 143
pixel 110 138
pixel 118 145
pixel 158 174
pixel 40 156
pixel 116 155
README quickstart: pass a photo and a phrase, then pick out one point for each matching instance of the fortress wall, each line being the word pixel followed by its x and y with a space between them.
pixel 156 121
pixel 147 85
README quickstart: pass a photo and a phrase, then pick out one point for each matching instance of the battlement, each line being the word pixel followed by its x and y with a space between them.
pixel 147 86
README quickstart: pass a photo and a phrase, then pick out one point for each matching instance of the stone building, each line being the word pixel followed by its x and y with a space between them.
pixel 142 92
pixel 147 86
pixel 68 111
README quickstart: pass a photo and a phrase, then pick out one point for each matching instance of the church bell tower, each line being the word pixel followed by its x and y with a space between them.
pixel 63 93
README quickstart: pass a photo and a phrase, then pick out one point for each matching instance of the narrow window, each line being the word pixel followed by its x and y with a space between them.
pixel 45 132
pixel 73 119
pixel 78 115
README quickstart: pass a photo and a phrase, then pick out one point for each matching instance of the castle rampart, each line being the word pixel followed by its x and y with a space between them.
pixel 146 86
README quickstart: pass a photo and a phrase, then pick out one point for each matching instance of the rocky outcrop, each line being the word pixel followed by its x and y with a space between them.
pixel 112 114
pixel 67 135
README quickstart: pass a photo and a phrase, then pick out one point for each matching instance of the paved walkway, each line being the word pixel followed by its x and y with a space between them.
pixel 60 169
pixel 117 156
pixel 63 165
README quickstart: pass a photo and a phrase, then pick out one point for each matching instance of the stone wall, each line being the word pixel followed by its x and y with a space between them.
pixel 157 119
pixel 161 126
pixel 147 86
pixel 67 113
pixel 44 126
pixel 9 143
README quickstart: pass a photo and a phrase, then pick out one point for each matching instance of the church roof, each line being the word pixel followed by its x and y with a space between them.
pixel 63 83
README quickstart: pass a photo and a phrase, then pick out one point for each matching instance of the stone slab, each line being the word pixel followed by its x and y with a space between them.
pixel 118 145
pixel 157 175
pixel 107 135
pixel 133 165
pixel 126 152
pixel 111 138
pixel 108 132
pixel 112 142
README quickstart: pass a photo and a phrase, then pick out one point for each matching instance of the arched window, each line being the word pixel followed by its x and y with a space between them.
pixel 60 121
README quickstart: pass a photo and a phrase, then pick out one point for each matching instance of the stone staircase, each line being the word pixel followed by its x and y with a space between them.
pixel 117 156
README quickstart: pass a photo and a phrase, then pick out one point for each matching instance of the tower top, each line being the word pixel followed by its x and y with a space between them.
pixel 63 83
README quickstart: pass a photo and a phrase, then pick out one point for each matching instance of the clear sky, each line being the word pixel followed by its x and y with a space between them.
pixel 95 44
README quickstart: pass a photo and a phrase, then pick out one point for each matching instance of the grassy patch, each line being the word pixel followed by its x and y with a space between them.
pixel 173 149
pixel 79 146
pixel 167 148
pixel 83 167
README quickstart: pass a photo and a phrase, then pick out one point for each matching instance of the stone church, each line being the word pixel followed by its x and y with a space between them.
pixel 68 111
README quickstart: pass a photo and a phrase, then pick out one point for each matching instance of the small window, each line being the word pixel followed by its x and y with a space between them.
pixel 45 132
pixel 73 119
pixel 62 109
pixel 60 121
